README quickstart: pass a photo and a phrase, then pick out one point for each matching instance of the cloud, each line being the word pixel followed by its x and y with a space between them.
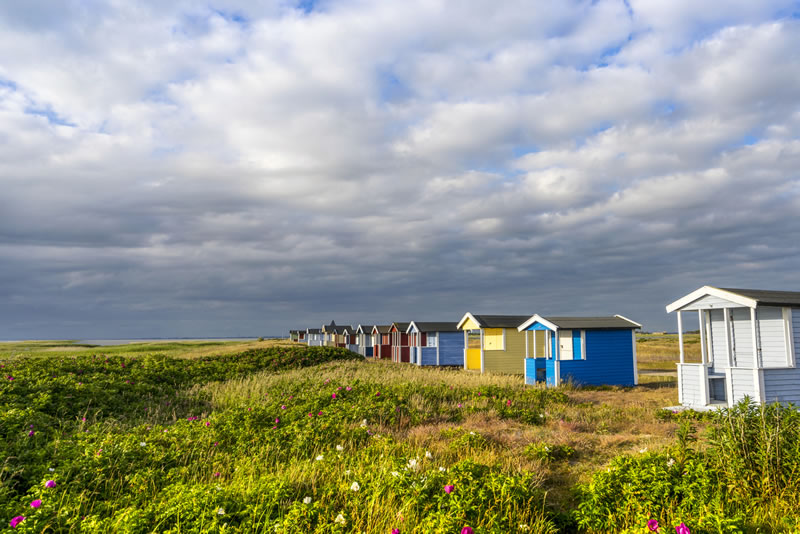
pixel 233 169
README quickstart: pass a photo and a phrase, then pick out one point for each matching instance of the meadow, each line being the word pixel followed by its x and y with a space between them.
pixel 270 437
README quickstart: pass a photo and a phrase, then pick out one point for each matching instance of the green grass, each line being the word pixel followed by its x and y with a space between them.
pixel 144 442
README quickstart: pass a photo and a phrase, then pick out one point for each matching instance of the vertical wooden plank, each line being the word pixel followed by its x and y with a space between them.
pixel 680 342
pixel 789 337
pixel 703 347
pixel 756 360
pixel 635 369
pixel 728 342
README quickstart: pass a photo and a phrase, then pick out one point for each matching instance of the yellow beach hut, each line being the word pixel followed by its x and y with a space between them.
pixel 492 343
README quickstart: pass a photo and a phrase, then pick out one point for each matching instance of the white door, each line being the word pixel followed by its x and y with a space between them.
pixel 565 344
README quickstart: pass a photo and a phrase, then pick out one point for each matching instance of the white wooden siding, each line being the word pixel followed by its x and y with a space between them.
pixel 710 302
pixel 717 342
pixel 742 337
pixel 771 330
pixel 782 385
pixel 742 384
pixel 690 385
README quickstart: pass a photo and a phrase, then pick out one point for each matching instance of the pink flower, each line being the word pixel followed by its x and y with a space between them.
pixel 277 420
pixel 348 388
pixel 36 503
pixel 466 530
pixel 16 521
pixel 449 489
pixel 652 525
pixel 216 474
pixel 320 413
pixel 378 394
pixel 682 529
pixel 50 484
pixel 395 531
pixel 333 395
pixel 12 378
pixel 208 423
pixel 311 415
pixel 508 402
pixel 283 407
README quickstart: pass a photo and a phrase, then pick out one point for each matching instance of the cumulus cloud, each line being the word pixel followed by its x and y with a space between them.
pixel 236 169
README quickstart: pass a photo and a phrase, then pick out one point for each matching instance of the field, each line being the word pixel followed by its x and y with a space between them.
pixel 269 437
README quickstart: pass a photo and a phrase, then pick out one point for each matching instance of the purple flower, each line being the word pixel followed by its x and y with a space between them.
pixel 378 394
pixel 466 530
pixel 652 525
pixel 31 433
pixel 16 521
pixel 208 423
pixel 50 484
pixel 36 503
pixel 449 489
pixel 459 405
pixel 682 529
pixel 320 413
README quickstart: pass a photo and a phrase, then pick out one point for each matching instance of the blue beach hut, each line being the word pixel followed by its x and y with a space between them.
pixel 583 350
pixel 440 343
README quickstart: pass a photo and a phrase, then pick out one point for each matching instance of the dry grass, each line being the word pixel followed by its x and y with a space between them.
pixel 661 351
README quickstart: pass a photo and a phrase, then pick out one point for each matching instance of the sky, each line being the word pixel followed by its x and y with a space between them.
pixel 186 169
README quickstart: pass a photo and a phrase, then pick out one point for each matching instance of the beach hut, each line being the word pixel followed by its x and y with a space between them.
pixel 434 343
pixel 333 334
pixel 364 340
pixel 582 350
pixel 493 344
pixel 382 343
pixel 399 340
pixel 349 338
pixel 293 335
pixel 749 339
pixel 314 337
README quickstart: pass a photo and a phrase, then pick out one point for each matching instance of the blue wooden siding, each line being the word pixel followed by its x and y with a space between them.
pixel 534 367
pixel 428 355
pixel 368 351
pixel 537 326
pixel 782 385
pixel 576 344
pixel 609 360
pixel 451 348
pixel 550 366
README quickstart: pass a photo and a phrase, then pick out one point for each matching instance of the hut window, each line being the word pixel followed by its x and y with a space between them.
pixel 493 339
pixel 474 339
pixel 432 340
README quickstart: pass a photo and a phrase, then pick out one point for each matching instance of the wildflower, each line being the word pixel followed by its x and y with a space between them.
pixel 51 470
pixel 318 458
pixel 31 433
pixel 395 531
pixel 340 519
pixel 216 474
pixel 428 454
pixel 16 521
pixel 467 530
pixel 339 448
pixel 12 378
pixel 216 443
pixel 50 484
pixel 221 511
pixel 652 525
pixel 307 500
pixel 682 529
pixel 378 394
pixel 395 474
pixel 320 412
pixel 36 503
pixel 277 420
pixel 333 396
pixel 142 444
pixel 354 486
pixel 412 463
pixel 348 388
pixel 459 405
pixel 449 489
pixel 671 462
pixel 310 414
pixel 208 423
pixel 508 402
pixel 283 406
pixel 442 469
pixel 363 423
pixel 642 451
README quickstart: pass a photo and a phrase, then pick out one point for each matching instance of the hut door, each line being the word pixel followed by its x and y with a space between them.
pixel 565 344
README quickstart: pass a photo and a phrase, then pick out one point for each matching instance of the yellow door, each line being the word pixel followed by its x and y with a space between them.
pixel 474 359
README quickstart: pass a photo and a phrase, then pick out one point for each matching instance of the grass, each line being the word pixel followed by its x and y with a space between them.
pixel 269 437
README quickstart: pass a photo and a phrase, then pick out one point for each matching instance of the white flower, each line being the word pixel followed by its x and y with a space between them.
pixel 412 464
pixel 395 474
pixel 221 511
pixel 340 519
pixel 339 448
pixel 524 527
pixel 347 472
pixel 318 458
pixel 307 500
pixel 354 486
pixel 142 444
pixel 442 469
pixel 642 451
pixel 472 433
pixel 363 424
pixel 428 455
pixel 52 470
pixel 671 462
